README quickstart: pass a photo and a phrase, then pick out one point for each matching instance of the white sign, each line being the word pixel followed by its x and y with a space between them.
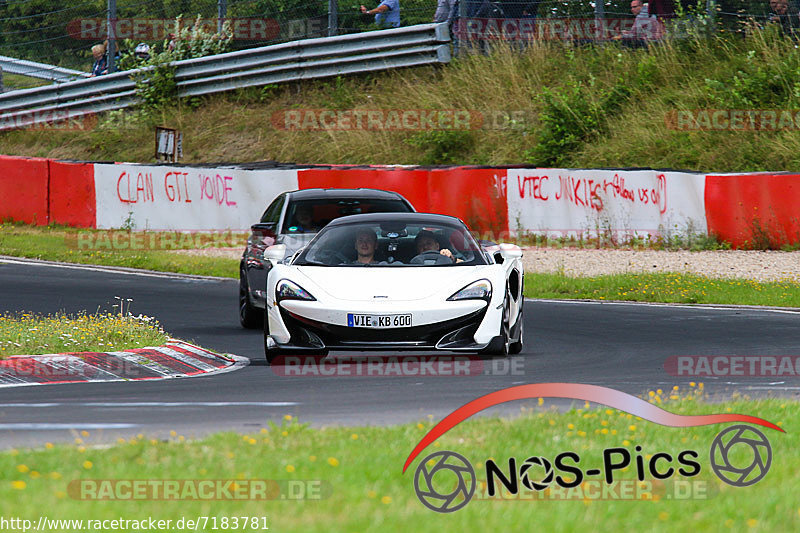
pixel 183 198
pixel 564 202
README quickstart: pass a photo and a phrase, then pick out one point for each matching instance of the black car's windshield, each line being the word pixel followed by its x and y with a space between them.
pixel 309 216
pixel 420 243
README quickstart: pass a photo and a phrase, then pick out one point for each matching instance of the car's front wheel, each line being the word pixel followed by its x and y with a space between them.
pixel 516 346
pixel 250 317
pixel 501 345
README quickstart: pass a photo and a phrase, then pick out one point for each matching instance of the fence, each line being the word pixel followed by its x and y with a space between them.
pixel 62 34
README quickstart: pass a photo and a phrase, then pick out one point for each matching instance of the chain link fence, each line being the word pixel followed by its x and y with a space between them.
pixel 63 33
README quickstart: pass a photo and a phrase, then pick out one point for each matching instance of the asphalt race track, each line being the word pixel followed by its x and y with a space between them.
pixel 623 346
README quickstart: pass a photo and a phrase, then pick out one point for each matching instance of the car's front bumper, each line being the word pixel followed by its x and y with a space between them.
pixel 455 333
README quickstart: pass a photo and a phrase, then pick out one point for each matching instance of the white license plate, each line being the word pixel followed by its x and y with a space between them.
pixel 378 321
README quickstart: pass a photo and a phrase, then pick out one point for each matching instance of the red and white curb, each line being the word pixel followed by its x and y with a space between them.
pixel 175 359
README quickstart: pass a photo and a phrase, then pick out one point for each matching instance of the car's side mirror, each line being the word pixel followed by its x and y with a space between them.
pixel 507 252
pixel 275 253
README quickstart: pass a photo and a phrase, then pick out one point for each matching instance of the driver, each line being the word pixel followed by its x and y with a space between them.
pixel 426 241
pixel 366 243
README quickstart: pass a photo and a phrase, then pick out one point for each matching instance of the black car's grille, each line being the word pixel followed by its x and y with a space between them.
pixel 306 332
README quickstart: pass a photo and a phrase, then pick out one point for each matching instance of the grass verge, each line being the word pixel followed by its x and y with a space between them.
pixel 118 248
pixel 359 469
pixel 663 287
pixel 28 334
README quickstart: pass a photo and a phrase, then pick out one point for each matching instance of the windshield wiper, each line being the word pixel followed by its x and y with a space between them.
pixel 312 263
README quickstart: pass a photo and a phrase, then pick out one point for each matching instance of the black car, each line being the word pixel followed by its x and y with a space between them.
pixel 292 220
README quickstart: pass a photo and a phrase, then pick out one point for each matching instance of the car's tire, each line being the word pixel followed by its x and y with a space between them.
pixel 516 347
pixel 500 345
pixel 269 353
pixel 250 317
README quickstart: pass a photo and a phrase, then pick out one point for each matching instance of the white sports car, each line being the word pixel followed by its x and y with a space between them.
pixel 394 281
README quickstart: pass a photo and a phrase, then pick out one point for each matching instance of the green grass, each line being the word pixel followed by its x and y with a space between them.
pixel 364 490
pixel 30 334
pixel 664 287
pixel 574 107
pixel 62 244
pixel 16 81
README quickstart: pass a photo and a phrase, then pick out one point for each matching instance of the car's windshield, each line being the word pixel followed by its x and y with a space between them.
pixel 391 243
pixel 309 216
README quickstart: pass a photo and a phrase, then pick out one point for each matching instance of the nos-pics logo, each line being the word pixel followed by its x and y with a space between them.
pixel 445 481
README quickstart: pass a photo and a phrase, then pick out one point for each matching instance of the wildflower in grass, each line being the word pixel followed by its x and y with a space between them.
pixel 354 436
pixel 386 500
pixel 373 494
pixel 87 465
pixel 18 485
pixel 290 468
pixel 333 461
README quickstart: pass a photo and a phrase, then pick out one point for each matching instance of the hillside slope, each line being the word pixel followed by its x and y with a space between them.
pixel 575 107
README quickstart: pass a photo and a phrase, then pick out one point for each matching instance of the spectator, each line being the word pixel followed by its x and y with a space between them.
pixel 646 27
pixel 788 18
pixel 142 52
pixel 386 14
pixel 445 11
pixel 521 9
pixel 100 65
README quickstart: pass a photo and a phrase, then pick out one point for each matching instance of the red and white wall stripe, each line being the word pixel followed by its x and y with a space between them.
pixel 735 207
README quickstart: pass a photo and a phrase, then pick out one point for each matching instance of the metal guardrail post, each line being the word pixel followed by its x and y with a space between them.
pixel 1 80
pixel 333 17
pixel 111 51
pixel 222 13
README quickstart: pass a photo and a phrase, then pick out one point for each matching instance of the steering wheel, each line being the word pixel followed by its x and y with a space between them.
pixel 431 255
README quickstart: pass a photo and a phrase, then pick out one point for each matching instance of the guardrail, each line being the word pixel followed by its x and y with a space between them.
pixel 423 44
pixel 43 71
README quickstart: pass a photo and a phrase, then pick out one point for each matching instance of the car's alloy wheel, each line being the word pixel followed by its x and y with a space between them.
pixel 249 316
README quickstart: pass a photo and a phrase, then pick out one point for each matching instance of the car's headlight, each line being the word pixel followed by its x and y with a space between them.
pixel 479 290
pixel 288 290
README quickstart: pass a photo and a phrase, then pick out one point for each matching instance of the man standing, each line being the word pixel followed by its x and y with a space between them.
pixel 386 14
pixel 645 28
pixel 786 17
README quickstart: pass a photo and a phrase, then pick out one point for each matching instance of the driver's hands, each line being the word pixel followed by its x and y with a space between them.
pixel 447 253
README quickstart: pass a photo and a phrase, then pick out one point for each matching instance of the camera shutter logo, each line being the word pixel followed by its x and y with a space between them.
pixel 544 482
pixel 453 464
pixel 741 435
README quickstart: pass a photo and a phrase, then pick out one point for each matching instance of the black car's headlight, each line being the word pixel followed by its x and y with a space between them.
pixel 289 290
pixel 478 290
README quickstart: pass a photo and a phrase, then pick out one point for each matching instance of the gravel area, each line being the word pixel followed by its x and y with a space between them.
pixel 746 264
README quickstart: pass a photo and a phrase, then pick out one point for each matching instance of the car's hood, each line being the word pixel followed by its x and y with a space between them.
pixel 391 283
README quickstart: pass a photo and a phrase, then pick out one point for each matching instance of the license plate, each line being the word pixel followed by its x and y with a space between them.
pixel 378 321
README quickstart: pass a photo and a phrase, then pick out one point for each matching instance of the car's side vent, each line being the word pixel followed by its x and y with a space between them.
pixel 513 284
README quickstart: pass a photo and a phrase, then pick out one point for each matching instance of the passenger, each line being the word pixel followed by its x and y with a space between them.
pixel 426 241
pixel 366 243
pixel 304 220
